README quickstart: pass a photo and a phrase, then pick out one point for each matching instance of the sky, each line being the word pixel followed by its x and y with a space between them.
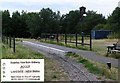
pixel 104 7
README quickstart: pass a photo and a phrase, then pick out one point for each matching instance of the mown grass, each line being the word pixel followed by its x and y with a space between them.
pixel 81 47
pixel 95 67
pixel 98 46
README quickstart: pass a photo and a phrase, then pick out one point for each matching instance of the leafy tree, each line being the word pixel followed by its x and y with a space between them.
pixel 49 20
pixel 6 23
pixel 16 24
pixel 33 24
pixel 91 20
pixel 63 23
pixel 24 29
pixel 73 20
pixel 114 21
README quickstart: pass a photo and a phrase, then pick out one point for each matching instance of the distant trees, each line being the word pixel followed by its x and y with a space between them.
pixel 33 24
pixel 91 20
pixel 114 21
pixel 6 23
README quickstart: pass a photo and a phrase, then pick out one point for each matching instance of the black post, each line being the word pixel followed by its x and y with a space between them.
pixel 10 41
pixel 70 37
pixel 3 39
pixel 109 65
pixel 82 38
pixel 57 38
pixel 45 37
pixel 7 39
pixel 65 38
pixel 14 44
pixel 76 39
pixel 90 42
pixel 82 12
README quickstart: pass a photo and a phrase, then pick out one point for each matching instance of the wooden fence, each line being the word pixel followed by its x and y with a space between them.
pixel 10 41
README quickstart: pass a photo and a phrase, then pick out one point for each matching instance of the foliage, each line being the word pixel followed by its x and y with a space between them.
pixel 95 67
pixel 33 24
pixel 114 21
pixel 6 22
pixel 91 20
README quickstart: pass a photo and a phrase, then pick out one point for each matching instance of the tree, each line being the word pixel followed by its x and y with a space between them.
pixel 6 23
pixel 16 24
pixel 91 20
pixel 50 20
pixel 24 29
pixel 114 21
pixel 73 20
pixel 33 24
pixel 102 27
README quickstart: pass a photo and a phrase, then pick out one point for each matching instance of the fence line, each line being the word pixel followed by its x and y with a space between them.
pixel 65 37
pixel 10 41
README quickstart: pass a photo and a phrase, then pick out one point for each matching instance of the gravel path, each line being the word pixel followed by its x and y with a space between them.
pixel 75 71
pixel 87 54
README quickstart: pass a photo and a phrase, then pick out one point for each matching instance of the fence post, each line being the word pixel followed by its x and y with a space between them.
pixel 7 39
pixel 82 38
pixel 14 44
pixel 76 39
pixel 10 41
pixel 65 38
pixel 57 38
pixel 70 37
pixel 90 42
pixel 45 37
pixel 3 39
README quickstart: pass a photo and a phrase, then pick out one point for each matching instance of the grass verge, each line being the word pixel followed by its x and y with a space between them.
pixel 66 45
pixel 95 67
pixel 53 71
pixel 98 47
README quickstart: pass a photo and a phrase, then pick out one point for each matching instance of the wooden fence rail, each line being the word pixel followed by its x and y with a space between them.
pixel 10 41
pixel 67 38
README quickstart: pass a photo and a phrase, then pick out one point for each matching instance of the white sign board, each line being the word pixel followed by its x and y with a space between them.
pixel 22 70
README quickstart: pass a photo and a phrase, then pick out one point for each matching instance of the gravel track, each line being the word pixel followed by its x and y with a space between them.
pixel 74 70
pixel 86 54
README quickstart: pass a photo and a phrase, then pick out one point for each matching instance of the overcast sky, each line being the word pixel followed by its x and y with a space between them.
pixel 105 7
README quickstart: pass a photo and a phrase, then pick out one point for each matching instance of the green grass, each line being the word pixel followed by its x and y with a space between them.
pixel 113 55
pixel 53 71
pixel 0 50
pixel 21 53
pixel 98 46
pixel 95 67
pixel 81 47
pixel 90 66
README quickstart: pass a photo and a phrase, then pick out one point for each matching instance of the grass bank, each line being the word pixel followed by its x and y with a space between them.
pixel 71 45
pixel 96 68
pixel 53 71
pixel 98 46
